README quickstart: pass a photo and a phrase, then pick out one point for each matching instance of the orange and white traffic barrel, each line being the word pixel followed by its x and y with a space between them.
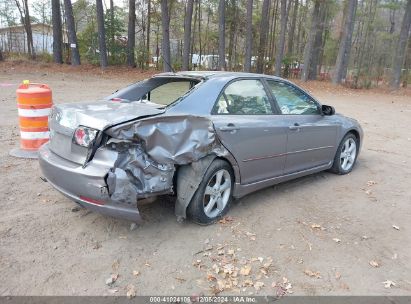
pixel 34 102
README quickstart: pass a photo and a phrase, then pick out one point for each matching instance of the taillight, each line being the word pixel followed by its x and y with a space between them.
pixel 84 136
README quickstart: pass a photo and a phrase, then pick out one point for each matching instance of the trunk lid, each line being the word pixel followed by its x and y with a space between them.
pixel 65 118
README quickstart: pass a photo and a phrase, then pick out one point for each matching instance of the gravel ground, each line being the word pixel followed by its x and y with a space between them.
pixel 318 235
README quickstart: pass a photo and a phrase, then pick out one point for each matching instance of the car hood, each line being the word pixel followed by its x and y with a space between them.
pixel 101 114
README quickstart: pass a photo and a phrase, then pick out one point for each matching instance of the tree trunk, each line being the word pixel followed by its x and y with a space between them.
pixel 221 35
pixel 1 55
pixel 341 64
pixel 193 33
pixel 25 20
pixel 111 49
pixel 187 35
pixel 101 34
pixel 57 33
pixel 199 31
pixel 75 55
pixel 29 32
pixel 148 33
pixel 318 43
pixel 292 29
pixel 309 47
pixel 165 44
pixel 400 50
pixel 280 49
pixel 249 36
pixel 231 37
pixel 263 36
pixel 291 39
pixel 131 30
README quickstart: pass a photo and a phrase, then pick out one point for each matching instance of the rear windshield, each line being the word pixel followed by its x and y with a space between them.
pixel 161 91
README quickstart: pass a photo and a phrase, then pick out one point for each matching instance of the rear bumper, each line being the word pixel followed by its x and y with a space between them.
pixel 85 186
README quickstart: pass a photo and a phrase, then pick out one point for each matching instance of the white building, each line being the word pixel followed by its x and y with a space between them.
pixel 13 38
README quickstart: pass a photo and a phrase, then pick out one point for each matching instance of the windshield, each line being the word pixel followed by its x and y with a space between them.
pixel 161 91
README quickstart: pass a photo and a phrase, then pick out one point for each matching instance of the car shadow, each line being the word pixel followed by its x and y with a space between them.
pixel 160 212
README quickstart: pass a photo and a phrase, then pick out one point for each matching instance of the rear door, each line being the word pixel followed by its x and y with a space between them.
pixel 245 121
pixel 311 135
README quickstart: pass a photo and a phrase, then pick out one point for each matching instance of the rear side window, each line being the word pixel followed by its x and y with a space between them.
pixel 291 100
pixel 244 97
pixel 169 92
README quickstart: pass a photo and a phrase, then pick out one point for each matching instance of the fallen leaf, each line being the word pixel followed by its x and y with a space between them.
pixel 97 245
pixel 246 270
pixel 211 277
pixel 115 265
pixel 388 283
pixel 221 285
pixel 248 282
pixel 216 268
pixel 230 251
pixel 147 264
pixel 371 183
pixel 336 240
pixel 267 265
pixel 226 220
pixel 368 192
pixel 258 285
pixel 312 274
pixel 316 226
pixel 263 271
pixel 228 268
pixel 136 273
pixel 131 291
pixel 113 290
pixel 395 227
pixel 337 275
pixel 250 233
pixel 395 256
pixel 374 264
pixel 112 279
pixel 344 286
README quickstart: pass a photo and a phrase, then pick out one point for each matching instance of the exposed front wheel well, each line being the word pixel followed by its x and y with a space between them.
pixel 356 134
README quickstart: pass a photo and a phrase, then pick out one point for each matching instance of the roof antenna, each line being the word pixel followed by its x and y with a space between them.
pixel 169 65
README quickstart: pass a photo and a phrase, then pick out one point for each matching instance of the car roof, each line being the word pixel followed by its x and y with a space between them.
pixel 212 74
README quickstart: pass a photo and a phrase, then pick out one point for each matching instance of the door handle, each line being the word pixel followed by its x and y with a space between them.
pixel 295 127
pixel 228 128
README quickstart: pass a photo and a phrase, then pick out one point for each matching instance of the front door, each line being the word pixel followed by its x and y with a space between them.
pixel 311 136
pixel 246 125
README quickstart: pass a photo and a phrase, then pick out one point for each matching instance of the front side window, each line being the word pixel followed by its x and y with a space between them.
pixel 291 100
pixel 244 97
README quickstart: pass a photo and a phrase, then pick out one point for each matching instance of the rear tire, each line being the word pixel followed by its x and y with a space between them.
pixel 213 197
pixel 346 155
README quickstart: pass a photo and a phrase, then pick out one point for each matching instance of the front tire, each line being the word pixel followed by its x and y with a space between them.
pixel 346 155
pixel 214 194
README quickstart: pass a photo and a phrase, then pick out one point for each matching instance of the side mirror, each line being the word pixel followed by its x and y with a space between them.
pixel 327 110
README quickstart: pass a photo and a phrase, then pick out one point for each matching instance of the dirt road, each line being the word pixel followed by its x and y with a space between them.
pixel 319 235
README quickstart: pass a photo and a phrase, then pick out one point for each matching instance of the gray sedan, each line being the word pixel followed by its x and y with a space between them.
pixel 204 137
